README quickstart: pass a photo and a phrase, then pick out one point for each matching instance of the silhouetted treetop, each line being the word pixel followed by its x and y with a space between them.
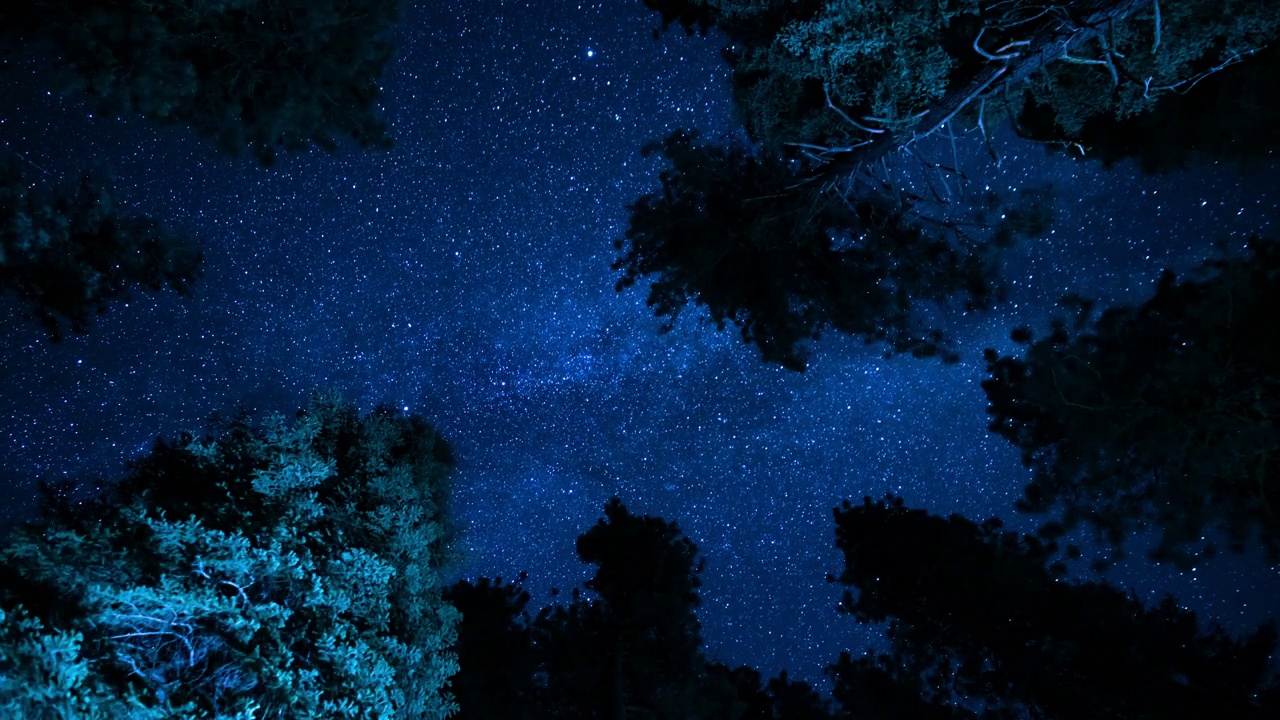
pixel 261 75
pixel 496 661
pixel 730 231
pixel 1164 415
pixel 689 14
pixel 68 251
pixel 1231 115
pixel 980 621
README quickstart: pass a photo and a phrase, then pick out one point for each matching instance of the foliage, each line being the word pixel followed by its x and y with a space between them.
pixel 869 57
pixel 821 72
pixel 628 647
pixel 1196 36
pixel 262 75
pixel 66 253
pixel 273 572
pixel 1231 115
pixel 981 626
pixel 641 634
pixel 783 265
pixel 977 620
pixel 496 663
pixel 1161 415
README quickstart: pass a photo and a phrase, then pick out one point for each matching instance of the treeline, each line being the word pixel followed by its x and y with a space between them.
pixel 294 570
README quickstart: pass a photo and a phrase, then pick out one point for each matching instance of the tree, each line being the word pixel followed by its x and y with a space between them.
pixel 1231 115
pixel 262 75
pixel 635 648
pixel 729 231
pixel 629 646
pixel 496 662
pixel 274 571
pixel 978 620
pixel 863 79
pixel 1162 415
pixel 1181 72
pixel 66 253
pixel 826 91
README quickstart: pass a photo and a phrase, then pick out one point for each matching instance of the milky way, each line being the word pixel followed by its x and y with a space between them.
pixel 464 276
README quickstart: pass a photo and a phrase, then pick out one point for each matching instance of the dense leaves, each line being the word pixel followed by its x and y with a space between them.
pixel 1230 115
pixel 1144 63
pixel 981 627
pixel 978 620
pixel 729 232
pixel 627 647
pixel 281 571
pixel 261 75
pixel 1165 415
pixel 837 73
pixel 68 251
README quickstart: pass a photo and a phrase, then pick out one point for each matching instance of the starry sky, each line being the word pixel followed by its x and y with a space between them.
pixel 464 276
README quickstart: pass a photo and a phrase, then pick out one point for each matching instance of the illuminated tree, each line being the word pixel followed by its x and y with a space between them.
pixel 275 571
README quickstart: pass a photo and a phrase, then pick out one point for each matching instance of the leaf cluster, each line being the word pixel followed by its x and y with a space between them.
pixel 734 232
pixel 65 253
pixel 257 75
pixel 275 571
pixel 1159 415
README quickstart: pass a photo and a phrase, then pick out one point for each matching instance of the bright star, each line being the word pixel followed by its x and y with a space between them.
pixel 591 53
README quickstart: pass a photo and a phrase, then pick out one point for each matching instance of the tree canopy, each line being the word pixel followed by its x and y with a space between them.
pixel 783 265
pixel 627 646
pixel 272 571
pixel 1163 415
pixel 66 252
pixel 257 75
pixel 978 620
pixel 827 90
pixel 1229 115
pixel 982 626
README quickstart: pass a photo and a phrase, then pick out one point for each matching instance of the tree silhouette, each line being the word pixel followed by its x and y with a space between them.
pixel 729 233
pixel 67 252
pixel 635 648
pixel 629 646
pixel 828 90
pixel 261 75
pixel 1231 115
pixel 868 78
pixel 276 571
pixel 496 663
pixel 978 620
pixel 1162 415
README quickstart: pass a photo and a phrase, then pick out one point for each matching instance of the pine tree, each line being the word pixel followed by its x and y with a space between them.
pixel 981 618
pixel 275 571
pixel 1164 415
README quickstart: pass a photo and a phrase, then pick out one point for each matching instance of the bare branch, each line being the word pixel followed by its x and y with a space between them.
pixel 1194 80
pixel 827 91
pixel 1082 61
pixel 982 127
pixel 1156 45
pixel 1006 56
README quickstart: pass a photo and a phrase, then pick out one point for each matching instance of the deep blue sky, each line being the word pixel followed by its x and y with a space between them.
pixel 465 276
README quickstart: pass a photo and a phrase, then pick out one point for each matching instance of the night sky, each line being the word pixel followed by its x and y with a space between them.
pixel 464 276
